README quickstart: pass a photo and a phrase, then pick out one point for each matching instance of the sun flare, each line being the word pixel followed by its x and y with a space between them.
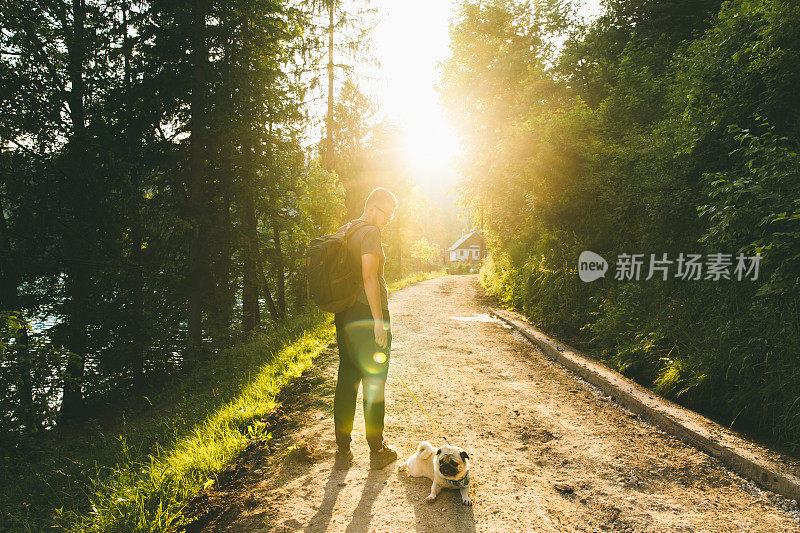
pixel 430 143
pixel 407 77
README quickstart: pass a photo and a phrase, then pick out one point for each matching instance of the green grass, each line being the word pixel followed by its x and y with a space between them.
pixel 413 278
pixel 138 474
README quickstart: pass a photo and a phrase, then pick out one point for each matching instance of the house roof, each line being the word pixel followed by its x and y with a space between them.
pixel 463 239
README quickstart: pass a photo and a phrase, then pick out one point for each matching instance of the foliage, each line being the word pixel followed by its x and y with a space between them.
pixel 103 200
pixel 462 267
pixel 756 205
pixel 660 127
pixel 424 252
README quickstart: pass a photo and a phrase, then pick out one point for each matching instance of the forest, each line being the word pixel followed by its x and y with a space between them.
pixel 163 166
pixel 158 187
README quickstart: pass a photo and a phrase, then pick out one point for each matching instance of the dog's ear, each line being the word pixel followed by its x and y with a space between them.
pixel 439 451
pixel 464 455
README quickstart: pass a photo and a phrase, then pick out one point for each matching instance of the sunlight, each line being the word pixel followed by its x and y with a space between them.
pixel 409 47
pixel 405 86
pixel 430 143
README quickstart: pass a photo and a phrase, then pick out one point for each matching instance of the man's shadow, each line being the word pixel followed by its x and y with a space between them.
pixel 374 484
pixel 447 513
pixel 320 521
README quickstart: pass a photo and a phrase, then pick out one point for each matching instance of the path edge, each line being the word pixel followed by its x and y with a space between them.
pixel 689 426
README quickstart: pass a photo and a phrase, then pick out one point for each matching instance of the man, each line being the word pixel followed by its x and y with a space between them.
pixel 364 336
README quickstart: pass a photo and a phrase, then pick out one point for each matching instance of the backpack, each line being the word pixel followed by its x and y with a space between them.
pixel 332 281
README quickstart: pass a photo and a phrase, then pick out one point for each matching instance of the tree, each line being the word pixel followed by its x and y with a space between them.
pixel 151 163
pixel 424 252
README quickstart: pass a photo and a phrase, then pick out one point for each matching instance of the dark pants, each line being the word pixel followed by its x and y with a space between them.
pixel 360 360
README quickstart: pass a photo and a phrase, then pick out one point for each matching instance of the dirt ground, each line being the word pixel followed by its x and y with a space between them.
pixel 527 423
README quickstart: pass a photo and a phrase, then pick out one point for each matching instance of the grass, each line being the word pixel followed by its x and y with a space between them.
pixel 138 474
pixel 413 278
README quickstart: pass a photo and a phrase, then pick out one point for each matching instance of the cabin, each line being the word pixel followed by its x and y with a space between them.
pixel 469 247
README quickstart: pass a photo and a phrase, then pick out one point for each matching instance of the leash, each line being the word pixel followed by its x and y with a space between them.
pixel 420 405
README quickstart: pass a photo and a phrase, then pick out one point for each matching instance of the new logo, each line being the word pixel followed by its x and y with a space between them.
pixel 591 266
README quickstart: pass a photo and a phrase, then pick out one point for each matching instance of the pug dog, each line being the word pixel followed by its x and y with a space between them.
pixel 447 467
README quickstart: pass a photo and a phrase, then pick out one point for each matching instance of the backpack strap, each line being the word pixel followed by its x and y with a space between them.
pixel 354 225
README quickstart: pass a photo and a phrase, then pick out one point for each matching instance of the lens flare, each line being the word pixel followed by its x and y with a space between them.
pixel 369 356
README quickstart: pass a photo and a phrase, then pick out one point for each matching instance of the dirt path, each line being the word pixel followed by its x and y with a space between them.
pixel 527 424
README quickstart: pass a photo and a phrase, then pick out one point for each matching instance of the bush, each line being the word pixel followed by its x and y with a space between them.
pixel 462 267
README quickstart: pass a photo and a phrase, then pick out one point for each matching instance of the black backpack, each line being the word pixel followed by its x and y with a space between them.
pixel 332 280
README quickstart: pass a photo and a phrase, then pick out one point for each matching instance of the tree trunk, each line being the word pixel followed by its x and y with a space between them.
pixel 79 280
pixel 328 160
pixel 250 311
pixel 273 312
pixel 221 305
pixel 197 148
pixel 228 297
pixel 8 272
pixel 481 253
pixel 136 326
pixel 27 413
pixel 10 302
pixel 267 294
pixel 399 257
pixel 72 400
pixel 280 290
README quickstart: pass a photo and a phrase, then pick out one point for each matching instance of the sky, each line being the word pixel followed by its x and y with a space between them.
pixel 409 70
pixel 408 46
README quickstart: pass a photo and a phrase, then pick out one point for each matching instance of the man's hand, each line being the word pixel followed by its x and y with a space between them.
pixel 381 328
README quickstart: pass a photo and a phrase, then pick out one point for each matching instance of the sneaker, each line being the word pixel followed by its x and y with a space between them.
pixel 343 459
pixel 381 458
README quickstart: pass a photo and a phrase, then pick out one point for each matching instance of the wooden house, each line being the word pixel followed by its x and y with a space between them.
pixel 469 247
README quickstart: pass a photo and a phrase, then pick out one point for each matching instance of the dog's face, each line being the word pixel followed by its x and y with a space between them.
pixel 451 461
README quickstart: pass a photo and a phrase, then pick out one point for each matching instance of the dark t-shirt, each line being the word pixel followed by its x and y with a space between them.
pixel 367 240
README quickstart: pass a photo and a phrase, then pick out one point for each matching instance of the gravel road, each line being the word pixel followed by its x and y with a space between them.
pixel 527 423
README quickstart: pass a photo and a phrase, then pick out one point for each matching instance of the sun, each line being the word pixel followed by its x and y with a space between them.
pixel 430 143
pixel 405 82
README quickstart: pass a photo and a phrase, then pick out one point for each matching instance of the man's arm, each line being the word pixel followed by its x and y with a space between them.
pixel 369 272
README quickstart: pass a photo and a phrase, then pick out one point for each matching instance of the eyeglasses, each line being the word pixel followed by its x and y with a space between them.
pixel 388 218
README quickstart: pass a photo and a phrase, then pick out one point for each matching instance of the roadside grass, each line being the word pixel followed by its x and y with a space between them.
pixel 139 475
pixel 149 494
pixel 413 278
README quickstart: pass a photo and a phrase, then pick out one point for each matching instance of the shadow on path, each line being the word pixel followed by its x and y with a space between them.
pixel 375 483
pixel 447 513
pixel 320 521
